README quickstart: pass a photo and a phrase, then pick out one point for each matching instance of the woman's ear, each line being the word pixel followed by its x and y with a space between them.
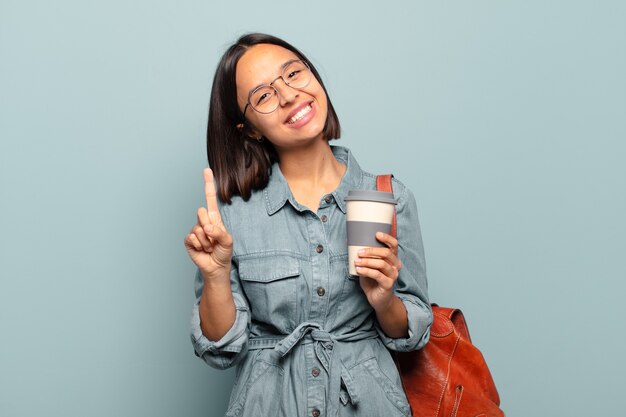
pixel 249 131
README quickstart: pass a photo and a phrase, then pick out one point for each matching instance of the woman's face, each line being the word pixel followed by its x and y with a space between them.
pixel 301 113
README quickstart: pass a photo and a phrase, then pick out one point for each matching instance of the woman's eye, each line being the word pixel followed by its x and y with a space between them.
pixel 293 74
pixel 263 97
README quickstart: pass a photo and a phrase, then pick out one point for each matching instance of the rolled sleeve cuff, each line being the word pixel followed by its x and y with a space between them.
pixel 420 319
pixel 220 353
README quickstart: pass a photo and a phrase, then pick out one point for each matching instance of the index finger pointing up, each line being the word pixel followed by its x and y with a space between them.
pixel 209 191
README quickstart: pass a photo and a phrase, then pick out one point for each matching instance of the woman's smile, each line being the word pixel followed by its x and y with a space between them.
pixel 301 115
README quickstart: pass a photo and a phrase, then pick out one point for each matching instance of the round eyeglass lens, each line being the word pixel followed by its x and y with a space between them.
pixel 297 74
pixel 265 98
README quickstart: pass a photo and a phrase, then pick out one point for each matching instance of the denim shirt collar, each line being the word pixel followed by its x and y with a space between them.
pixel 277 191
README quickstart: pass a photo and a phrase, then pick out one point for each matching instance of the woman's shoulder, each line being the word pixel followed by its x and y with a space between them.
pixel 368 179
pixel 239 207
pixel 400 190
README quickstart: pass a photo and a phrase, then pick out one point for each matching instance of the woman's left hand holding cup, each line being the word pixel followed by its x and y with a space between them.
pixel 378 269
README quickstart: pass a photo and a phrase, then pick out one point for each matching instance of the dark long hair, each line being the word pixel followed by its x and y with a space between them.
pixel 241 163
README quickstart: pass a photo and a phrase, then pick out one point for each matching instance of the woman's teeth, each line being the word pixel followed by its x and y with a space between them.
pixel 299 115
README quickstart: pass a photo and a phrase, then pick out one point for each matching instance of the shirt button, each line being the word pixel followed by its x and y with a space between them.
pixel 324 218
pixel 328 199
pixel 321 291
pixel 319 248
pixel 315 412
pixel 315 372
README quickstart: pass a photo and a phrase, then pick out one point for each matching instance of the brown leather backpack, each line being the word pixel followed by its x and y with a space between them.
pixel 449 376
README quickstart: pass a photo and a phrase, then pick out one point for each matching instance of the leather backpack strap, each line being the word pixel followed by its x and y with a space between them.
pixel 453 316
pixel 383 183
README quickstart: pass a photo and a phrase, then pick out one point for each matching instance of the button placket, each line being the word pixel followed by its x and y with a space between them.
pixel 320 268
pixel 316 383
pixel 319 303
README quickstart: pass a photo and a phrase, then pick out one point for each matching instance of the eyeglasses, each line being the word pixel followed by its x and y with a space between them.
pixel 265 98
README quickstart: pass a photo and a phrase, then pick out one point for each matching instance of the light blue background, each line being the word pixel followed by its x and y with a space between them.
pixel 506 119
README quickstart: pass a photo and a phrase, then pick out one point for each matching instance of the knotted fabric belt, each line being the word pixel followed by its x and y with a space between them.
pixel 324 346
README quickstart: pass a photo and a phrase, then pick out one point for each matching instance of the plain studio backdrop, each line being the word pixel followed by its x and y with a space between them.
pixel 505 118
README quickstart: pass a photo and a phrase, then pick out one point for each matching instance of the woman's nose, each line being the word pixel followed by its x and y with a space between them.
pixel 286 94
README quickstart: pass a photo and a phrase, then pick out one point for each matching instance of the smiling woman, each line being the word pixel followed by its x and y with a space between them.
pixel 237 153
pixel 274 295
pixel 298 109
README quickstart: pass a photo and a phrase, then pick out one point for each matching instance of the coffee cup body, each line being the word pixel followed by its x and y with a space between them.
pixel 367 212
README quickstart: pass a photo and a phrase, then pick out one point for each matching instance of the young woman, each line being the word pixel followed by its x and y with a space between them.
pixel 274 296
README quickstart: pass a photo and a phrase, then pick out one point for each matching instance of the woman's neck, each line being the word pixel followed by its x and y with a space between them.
pixel 311 166
pixel 311 172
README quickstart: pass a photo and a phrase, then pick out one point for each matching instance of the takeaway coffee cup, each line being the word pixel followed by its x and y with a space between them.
pixel 368 212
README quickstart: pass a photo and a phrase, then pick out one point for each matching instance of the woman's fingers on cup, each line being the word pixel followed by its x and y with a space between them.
pixel 379 265
pixel 384 253
pixel 389 241
pixel 377 275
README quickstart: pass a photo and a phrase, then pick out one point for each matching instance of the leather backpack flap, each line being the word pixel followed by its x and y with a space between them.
pixel 457 319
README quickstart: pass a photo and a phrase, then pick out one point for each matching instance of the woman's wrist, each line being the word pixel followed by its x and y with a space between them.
pixel 384 306
pixel 217 309
pixel 393 318
pixel 216 281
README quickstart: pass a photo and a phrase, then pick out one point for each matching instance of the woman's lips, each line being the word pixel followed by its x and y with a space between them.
pixel 301 116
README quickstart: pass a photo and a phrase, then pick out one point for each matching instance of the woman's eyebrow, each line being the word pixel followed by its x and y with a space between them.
pixel 282 68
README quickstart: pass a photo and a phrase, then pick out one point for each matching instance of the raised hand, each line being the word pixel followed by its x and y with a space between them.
pixel 208 243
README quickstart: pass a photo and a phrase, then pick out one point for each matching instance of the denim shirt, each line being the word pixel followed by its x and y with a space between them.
pixel 305 340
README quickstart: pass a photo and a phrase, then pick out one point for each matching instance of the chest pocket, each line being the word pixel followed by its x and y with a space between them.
pixel 270 283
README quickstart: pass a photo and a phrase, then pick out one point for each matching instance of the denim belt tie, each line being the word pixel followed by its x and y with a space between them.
pixel 324 347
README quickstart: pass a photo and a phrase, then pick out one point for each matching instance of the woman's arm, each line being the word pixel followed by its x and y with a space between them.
pixel 398 273
pixel 225 350
pixel 394 320
pixel 221 314
pixel 378 270
pixel 210 247
pixel 217 307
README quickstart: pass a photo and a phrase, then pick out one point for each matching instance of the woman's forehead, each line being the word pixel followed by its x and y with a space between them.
pixel 262 61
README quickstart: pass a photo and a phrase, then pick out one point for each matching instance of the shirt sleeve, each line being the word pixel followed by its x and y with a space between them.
pixel 411 286
pixel 227 351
